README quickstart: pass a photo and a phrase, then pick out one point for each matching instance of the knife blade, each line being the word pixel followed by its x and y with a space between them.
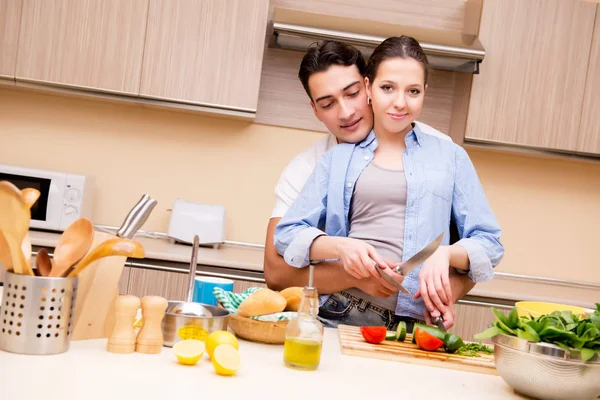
pixel 409 265
pixel 439 322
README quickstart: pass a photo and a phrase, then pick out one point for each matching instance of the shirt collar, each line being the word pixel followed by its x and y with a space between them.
pixel 415 135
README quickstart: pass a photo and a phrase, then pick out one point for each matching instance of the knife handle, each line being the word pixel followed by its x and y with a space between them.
pixel 136 217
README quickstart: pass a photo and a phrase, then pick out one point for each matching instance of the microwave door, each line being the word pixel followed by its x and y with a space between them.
pixel 39 211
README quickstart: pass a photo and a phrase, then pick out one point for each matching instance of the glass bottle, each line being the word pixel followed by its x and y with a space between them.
pixel 304 334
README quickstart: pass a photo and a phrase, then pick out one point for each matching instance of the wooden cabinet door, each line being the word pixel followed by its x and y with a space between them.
pixel 88 44
pixel 10 20
pixel 531 87
pixel 205 52
pixel 589 131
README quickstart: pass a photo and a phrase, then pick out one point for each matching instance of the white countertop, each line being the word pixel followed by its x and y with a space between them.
pixel 87 371
pixel 252 259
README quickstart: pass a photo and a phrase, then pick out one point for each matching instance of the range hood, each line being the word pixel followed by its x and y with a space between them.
pixel 450 51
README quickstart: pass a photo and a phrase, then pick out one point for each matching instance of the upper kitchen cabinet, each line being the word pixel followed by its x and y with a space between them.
pixel 589 131
pixel 205 52
pixel 532 84
pixel 10 17
pixel 86 44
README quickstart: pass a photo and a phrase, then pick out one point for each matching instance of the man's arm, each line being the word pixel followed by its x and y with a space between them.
pixel 328 277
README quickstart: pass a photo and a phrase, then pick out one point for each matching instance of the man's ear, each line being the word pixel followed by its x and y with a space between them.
pixel 314 108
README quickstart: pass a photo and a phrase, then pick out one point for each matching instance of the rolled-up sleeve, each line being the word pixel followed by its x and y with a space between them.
pixel 477 224
pixel 301 224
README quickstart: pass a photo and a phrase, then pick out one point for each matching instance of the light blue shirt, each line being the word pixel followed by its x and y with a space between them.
pixel 441 183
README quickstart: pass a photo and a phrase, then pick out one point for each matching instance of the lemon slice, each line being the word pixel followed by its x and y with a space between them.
pixel 189 351
pixel 220 337
pixel 226 359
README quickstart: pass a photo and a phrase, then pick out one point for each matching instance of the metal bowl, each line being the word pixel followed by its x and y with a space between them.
pixel 176 327
pixel 545 371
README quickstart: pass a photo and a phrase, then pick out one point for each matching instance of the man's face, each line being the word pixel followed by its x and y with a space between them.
pixel 339 100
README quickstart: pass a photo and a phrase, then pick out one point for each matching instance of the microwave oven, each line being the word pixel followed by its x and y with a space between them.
pixel 64 197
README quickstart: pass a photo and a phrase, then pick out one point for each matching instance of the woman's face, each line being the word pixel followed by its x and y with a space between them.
pixel 397 94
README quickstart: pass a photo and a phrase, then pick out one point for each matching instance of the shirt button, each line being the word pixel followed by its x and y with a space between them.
pixel 367 158
pixel 348 185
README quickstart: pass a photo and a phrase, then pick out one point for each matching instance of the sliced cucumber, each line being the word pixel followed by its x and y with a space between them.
pixel 433 331
pixel 390 335
pixel 401 331
pixel 452 343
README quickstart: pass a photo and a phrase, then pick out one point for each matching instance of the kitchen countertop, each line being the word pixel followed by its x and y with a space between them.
pixel 502 287
pixel 88 371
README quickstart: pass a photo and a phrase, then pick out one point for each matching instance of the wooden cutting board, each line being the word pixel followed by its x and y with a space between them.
pixel 352 343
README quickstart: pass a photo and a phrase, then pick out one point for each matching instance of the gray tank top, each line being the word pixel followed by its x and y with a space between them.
pixel 377 213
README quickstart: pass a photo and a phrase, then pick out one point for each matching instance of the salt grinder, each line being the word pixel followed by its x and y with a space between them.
pixel 122 340
pixel 150 338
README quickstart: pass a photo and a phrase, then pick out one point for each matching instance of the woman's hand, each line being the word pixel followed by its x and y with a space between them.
pixel 434 281
pixel 359 259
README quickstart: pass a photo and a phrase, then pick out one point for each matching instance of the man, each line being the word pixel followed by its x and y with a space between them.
pixel 332 76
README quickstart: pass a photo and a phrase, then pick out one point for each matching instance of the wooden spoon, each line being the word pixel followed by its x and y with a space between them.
pixel 14 224
pixel 74 243
pixel 111 247
pixel 30 196
pixel 43 262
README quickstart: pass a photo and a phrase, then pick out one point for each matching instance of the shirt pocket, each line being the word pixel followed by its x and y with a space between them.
pixel 439 181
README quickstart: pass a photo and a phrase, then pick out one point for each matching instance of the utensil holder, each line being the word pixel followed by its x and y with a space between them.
pixel 36 314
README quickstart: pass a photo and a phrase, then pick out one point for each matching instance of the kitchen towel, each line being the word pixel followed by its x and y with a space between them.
pixel 231 301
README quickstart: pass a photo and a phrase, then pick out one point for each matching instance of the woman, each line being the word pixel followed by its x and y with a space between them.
pixel 386 197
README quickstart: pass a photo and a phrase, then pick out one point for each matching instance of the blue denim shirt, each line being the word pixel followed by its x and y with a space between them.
pixel 441 182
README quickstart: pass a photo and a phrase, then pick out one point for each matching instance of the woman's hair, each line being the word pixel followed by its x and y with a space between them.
pixel 324 54
pixel 393 47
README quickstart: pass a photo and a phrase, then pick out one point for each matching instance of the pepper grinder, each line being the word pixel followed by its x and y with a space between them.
pixel 150 337
pixel 122 340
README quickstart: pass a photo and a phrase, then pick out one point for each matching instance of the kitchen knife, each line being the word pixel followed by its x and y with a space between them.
pixel 136 217
pixel 409 265
pixel 439 322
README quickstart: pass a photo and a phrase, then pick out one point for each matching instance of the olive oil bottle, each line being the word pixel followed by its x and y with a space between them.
pixel 304 335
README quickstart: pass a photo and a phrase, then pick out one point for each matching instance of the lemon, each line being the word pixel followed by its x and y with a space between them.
pixel 226 359
pixel 189 351
pixel 220 337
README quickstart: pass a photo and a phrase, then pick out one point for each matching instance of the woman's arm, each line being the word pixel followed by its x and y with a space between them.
pixel 476 223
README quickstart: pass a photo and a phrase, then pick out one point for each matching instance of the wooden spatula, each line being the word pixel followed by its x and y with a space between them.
pixel 14 224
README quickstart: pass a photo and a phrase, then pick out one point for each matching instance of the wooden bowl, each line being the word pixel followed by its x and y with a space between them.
pixel 258 331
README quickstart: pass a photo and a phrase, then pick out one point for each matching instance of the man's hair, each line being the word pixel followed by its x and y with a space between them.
pixel 324 54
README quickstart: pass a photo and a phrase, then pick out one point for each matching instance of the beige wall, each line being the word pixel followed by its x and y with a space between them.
pixel 549 208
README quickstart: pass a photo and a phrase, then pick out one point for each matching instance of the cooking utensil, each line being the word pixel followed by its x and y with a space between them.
pixel 14 224
pixel 409 265
pixel 99 283
pixel 109 248
pixel 73 244
pixel 136 217
pixel 544 370
pixel 176 327
pixel 439 322
pixel 43 262
pixel 189 307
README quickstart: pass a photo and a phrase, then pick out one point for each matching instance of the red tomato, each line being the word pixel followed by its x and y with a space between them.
pixel 426 341
pixel 373 334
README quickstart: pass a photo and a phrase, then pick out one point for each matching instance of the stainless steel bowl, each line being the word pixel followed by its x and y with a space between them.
pixel 545 371
pixel 173 324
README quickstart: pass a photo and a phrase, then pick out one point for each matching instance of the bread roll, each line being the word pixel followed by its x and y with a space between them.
pixel 262 302
pixel 293 297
